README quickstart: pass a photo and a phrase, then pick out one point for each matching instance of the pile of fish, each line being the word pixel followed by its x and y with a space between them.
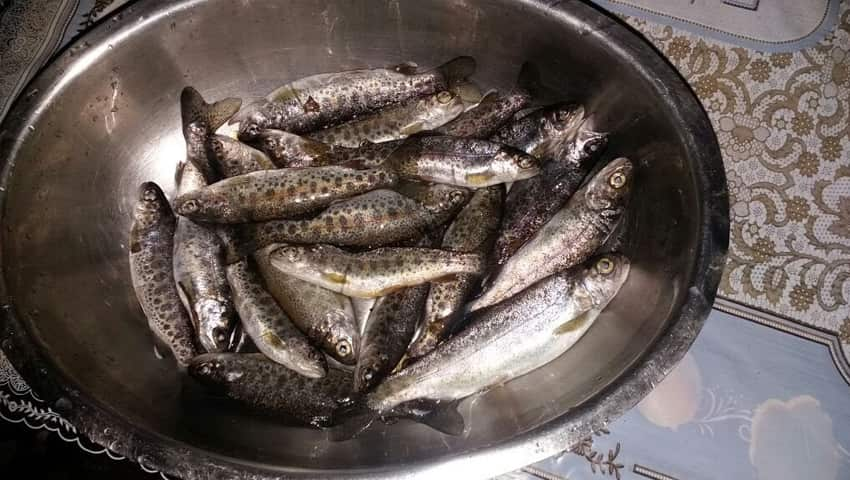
pixel 373 246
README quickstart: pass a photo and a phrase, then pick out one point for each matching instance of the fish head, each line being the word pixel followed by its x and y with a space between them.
pixel 252 120
pixel 292 258
pixel 203 204
pixel 445 198
pixel 224 147
pixel 216 321
pixel 604 275
pixel 510 164
pixel 343 343
pixel 610 188
pixel 589 143
pixel 434 111
pixel 215 369
pixel 558 126
pixel 368 373
pixel 151 207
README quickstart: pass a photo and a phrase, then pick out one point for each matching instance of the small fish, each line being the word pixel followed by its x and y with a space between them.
pixel 374 273
pixel 232 157
pixel 273 194
pixel 199 270
pixel 151 257
pixel 506 341
pixel 326 317
pixel 464 162
pixel 531 203
pixel 472 231
pixel 256 381
pixel 568 238
pixel 389 329
pixel 328 99
pixel 395 123
pixel 367 155
pixel 200 121
pixel 493 111
pixel 379 217
pixel 268 326
pixel 546 133
pixel 288 150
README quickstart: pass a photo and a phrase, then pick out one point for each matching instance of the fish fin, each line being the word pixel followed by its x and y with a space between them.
pixel 457 69
pixel 412 128
pixel 406 68
pixel 351 421
pixel 194 108
pixel 441 416
pixel 529 79
pixel 573 324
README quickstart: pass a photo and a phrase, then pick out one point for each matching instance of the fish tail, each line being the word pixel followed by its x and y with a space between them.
pixel 456 70
pixel 441 416
pixel 528 79
pixel 351 421
pixel 193 108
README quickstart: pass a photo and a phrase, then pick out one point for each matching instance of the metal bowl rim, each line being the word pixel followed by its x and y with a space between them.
pixel 157 452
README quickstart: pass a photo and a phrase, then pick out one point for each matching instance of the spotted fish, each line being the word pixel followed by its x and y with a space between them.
pixel 379 217
pixel 151 257
pixel 290 150
pixel 256 381
pixel 396 122
pixel 200 121
pixel 232 157
pixel 464 162
pixel 505 342
pixel 493 111
pixel 569 237
pixel 273 194
pixel 326 317
pixel 328 99
pixel 546 133
pixel 373 273
pixel 531 203
pixel 268 326
pixel 473 231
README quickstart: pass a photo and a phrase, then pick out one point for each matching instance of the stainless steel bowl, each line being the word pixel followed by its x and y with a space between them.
pixel 104 117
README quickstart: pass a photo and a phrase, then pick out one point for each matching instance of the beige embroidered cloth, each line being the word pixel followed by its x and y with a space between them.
pixel 783 122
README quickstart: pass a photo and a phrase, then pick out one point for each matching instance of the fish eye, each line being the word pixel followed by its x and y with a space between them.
pixel 445 97
pixel 604 266
pixel 343 348
pixel 205 369
pixel 617 180
pixel 593 146
pixel 526 162
pixel 189 206
pixel 456 196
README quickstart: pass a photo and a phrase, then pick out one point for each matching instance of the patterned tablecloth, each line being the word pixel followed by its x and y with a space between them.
pixel 763 394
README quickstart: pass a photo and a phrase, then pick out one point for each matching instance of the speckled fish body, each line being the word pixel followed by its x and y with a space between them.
pixel 232 157
pixel 510 339
pixel 367 155
pixel 492 112
pixel 273 194
pixel 546 133
pixel 151 270
pixel 256 381
pixel 472 231
pixel 268 326
pixel 199 270
pixel 389 329
pixel 531 203
pixel 395 123
pixel 288 150
pixel 464 162
pixel 374 273
pixel 200 121
pixel 328 99
pixel 379 217
pixel 326 317
pixel 569 237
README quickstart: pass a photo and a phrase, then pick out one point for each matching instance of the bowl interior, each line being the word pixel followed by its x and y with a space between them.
pixel 112 121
